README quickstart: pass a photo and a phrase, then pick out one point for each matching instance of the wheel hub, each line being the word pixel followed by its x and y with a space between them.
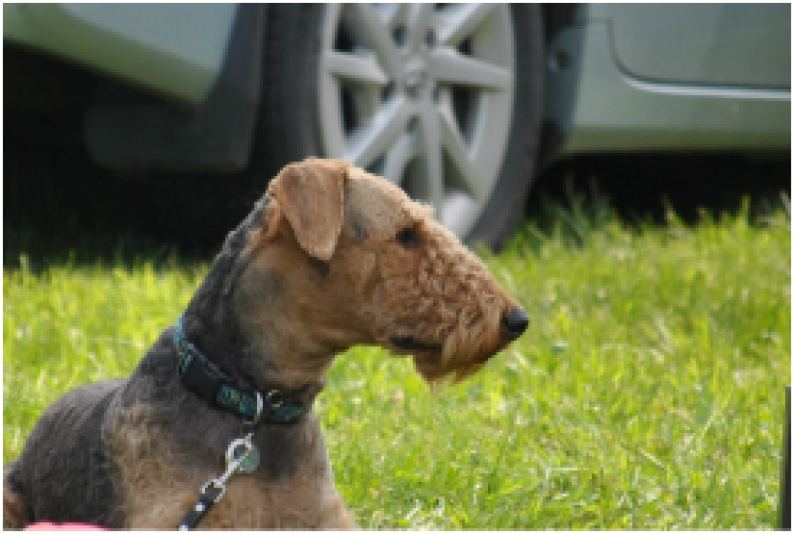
pixel 416 79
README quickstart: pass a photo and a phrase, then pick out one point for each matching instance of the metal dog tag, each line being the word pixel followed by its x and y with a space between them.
pixel 244 453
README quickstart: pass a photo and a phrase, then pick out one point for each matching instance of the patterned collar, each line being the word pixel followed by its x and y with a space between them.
pixel 202 376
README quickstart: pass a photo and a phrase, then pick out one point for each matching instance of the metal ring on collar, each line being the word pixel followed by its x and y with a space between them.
pixel 274 399
pixel 260 407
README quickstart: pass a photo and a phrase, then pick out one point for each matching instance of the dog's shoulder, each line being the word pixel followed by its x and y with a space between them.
pixel 81 407
pixel 66 445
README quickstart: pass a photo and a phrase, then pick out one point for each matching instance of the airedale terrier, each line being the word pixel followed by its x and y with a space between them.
pixel 215 427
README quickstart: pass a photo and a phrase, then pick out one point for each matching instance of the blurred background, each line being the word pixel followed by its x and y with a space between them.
pixel 166 121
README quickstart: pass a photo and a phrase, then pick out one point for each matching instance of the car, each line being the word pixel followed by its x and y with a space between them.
pixel 460 104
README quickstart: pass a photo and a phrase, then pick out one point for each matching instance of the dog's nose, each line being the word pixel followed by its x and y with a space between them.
pixel 515 323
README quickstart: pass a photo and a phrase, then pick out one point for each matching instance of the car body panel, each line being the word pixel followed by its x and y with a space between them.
pixel 172 49
pixel 746 45
pixel 595 105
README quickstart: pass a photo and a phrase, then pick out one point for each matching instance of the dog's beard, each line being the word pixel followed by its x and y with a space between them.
pixel 459 351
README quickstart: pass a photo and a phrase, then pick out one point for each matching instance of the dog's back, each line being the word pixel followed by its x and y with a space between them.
pixel 70 485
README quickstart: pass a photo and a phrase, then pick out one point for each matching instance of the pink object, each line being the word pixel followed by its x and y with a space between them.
pixel 44 525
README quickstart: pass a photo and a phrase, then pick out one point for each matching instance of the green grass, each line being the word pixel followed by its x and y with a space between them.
pixel 648 392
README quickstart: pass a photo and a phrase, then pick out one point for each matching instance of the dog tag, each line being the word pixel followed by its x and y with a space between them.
pixel 251 461
pixel 243 452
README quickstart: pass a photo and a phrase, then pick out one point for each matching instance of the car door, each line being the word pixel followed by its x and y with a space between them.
pixel 740 45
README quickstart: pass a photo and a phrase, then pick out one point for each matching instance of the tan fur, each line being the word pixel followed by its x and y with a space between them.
pixel 376 288
pixel 15 516
pixel 318 186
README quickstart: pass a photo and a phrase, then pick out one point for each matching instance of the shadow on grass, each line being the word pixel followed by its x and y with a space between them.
pixel 647 188
pixel 574 198
pixel 59 208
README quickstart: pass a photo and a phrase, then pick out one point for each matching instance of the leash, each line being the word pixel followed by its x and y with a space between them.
pixel 202 376
pixel 242 456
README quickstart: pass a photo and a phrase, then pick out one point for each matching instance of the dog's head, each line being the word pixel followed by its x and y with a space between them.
pixel 342 257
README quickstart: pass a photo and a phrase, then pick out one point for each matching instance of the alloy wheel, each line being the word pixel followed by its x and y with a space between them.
pixel 421 94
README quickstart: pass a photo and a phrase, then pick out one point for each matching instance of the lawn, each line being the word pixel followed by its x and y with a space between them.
pixel 648 392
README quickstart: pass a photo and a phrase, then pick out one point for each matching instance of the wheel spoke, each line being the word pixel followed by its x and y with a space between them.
pixel 459 22
pixel 369 26
pixel 420 19
pixel 331 122
pixel 448 66
pixel 430 131
pixel 352 67
pixel 379 134
pixel 394 14
pixel 398 158
pixel 458 153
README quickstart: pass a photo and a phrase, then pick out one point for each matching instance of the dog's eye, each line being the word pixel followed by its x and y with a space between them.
pixel 408 237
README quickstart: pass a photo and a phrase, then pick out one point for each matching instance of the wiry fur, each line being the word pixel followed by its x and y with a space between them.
pixel 317 267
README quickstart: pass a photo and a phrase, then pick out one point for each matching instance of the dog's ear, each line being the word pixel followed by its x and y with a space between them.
pixel 310 195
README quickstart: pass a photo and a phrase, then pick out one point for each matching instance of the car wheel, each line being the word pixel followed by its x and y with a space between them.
pixel 444 100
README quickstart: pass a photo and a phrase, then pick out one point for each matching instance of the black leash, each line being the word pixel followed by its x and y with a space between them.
pixel 242 456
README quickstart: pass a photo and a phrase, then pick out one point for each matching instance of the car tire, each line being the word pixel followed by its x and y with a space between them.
pixel 505 208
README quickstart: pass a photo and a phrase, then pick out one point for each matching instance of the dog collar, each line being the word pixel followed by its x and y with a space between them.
pixel 204 377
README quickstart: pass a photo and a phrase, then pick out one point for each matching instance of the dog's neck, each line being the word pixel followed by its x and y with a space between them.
pixel 211 323
pixel 201 375
pixel 250 364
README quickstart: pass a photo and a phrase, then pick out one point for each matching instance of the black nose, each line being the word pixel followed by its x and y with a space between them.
pixel 515 323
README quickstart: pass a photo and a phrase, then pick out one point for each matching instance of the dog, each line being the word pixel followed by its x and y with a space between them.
pixel 215 426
